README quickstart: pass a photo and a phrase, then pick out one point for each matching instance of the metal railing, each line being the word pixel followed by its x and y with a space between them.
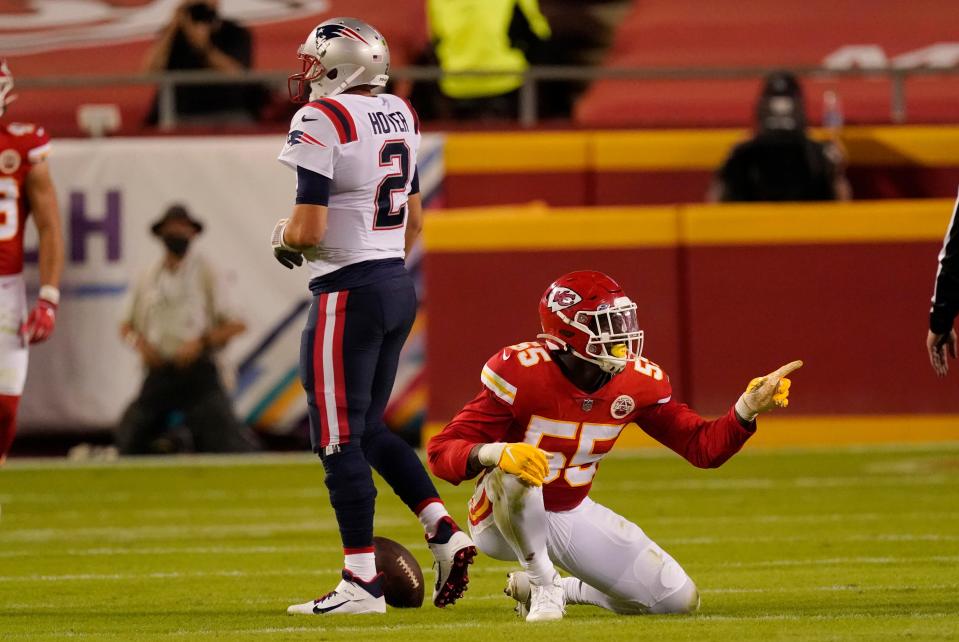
pixel 528 93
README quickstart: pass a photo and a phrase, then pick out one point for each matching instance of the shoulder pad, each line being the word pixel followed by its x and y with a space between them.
pixel 649 383
pixel 339 116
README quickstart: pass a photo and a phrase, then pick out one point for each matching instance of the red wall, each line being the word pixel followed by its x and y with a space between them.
pixel 855 313
pixel 717 315
pixel 651 187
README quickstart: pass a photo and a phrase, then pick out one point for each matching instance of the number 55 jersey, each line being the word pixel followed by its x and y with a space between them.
pixel 526 397
pixel 367 147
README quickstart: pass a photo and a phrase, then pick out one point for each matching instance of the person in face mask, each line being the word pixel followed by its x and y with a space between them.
pixel 177 320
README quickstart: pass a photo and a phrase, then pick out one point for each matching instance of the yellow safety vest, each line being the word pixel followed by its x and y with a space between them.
pixel 474 35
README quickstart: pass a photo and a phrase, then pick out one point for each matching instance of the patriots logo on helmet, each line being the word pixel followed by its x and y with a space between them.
pixel 328 32
pixel 561 298
pixel 298 136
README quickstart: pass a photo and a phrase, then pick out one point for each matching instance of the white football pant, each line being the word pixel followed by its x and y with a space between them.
pixel 613 564
pixel 13 352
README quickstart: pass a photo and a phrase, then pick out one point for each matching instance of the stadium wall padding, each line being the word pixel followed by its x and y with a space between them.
pixel 725 293
pixel 674 166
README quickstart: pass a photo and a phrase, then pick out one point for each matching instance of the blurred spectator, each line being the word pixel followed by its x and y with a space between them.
pixel 475 35
pixel 780 162
pixel 176 321
pixel 197 37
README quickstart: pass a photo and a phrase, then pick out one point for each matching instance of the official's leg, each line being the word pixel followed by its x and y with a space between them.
pixel 616 565
pixel 146 416
pixel 209 413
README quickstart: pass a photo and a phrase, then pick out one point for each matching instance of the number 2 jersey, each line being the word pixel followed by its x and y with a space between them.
pixel 22 146
pixel 367 146
pixel 527 398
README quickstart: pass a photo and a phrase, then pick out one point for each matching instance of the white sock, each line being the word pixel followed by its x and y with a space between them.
pixel 361 565
pixel 430 514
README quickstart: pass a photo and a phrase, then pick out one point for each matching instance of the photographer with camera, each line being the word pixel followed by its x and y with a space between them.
pixel 197 37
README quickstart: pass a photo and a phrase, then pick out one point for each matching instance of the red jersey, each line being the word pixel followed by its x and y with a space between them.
pixel 526 397
pixel 22 146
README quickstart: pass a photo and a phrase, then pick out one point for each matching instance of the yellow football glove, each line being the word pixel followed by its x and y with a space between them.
pixel 765 393
pixel 526 461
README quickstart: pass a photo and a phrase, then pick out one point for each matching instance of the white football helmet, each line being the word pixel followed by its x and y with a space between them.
pixel 338 54
pixel 6 86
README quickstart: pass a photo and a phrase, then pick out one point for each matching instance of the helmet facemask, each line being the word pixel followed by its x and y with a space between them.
pixel 299 84
pixel 615 339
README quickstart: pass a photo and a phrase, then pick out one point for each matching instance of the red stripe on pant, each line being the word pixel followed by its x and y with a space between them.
pixel 342 408
pixel 318 394
pixel 329 385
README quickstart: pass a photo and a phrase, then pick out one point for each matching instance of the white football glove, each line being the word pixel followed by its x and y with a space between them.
pixel 286 255
pixel 765 393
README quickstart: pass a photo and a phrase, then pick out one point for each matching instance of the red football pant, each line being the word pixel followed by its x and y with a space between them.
pixel 8 422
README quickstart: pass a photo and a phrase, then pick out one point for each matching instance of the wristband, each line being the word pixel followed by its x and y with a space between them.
pixel 489 454
pixel 744 411
pixel 50 294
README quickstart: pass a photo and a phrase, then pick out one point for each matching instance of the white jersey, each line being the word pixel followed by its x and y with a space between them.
pixel 367 146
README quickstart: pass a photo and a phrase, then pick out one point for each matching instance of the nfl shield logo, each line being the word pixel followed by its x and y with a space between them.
pixel 587 405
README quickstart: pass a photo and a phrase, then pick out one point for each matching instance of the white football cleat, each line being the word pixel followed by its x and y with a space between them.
pixel 518 588
pixel 452 559
pixel 352 596
pixel 547 603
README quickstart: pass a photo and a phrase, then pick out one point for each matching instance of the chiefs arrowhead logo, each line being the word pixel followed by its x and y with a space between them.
pixel 622 406
pixel 561 298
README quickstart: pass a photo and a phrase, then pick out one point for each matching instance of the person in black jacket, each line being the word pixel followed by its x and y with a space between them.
pixel 941 339
pixel 780 162
pixel 198 37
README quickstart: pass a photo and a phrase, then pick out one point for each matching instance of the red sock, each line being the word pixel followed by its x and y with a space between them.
pixel 8 422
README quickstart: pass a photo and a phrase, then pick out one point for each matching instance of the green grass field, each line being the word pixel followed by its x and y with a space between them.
pixel 851 544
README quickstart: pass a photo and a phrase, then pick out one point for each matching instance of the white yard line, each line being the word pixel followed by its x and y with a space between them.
pixel 97 550
pixel 176 575
pixel 329 629
pixel 779 482
pixel 128 533
pixel 835 561
pixel 300 458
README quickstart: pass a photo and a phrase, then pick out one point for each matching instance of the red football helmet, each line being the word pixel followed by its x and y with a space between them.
pixel 6 86
pixel 589 312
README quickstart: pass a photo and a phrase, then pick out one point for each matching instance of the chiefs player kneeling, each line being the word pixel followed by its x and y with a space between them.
pixel 548 413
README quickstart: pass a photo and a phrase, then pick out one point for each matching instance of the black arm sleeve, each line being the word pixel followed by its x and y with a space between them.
pixel 945 299
pixel 415 184
pixel 311 188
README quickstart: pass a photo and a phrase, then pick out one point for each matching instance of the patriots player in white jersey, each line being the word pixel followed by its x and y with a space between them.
pixel 357 214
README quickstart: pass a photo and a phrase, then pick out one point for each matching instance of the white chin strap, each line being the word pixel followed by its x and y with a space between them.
pixel 338 89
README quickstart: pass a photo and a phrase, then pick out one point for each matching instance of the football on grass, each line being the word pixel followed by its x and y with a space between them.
pixel 402 577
